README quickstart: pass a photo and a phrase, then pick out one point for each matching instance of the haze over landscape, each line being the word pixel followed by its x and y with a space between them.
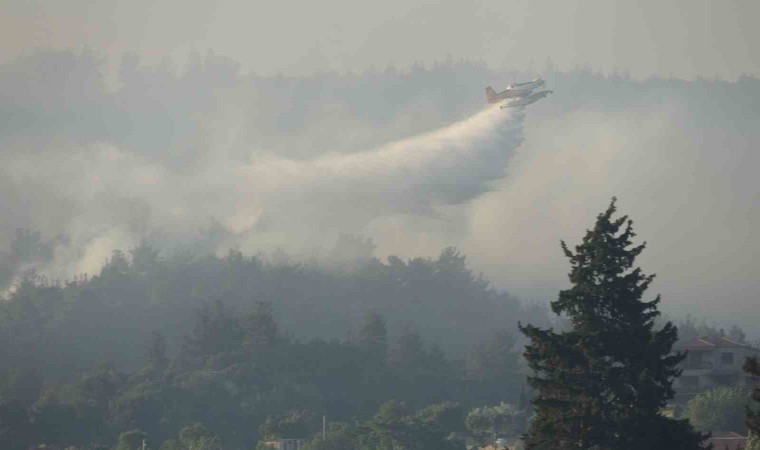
pixel 333 132
pixel 682 38
pixel 214 140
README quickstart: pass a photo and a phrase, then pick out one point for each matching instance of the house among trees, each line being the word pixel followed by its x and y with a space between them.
pixel 712 362
pixel 727 440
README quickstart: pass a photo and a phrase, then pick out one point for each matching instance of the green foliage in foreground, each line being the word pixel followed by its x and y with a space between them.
pixel 486 423
pixel 752 367
pixel 131 440
pixel 244 379
pixel 753 442
pixel 395 427
pixel 720 409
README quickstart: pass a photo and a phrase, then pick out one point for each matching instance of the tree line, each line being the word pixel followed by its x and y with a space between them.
pixel 238 379
pixel 233 372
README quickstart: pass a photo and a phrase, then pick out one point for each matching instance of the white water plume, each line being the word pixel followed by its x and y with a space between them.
pixel 114 198
pixel 412 176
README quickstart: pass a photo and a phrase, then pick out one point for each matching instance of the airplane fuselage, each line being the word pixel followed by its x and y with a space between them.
pixel 497 97
pixel 516 90
pixel 522 101
pixel 527 86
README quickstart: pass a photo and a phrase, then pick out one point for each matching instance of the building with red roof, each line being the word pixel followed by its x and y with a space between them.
pixel 727 440
pixel 712 362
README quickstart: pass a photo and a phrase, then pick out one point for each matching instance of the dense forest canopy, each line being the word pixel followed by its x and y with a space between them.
pixel 160 343
pixel 113 313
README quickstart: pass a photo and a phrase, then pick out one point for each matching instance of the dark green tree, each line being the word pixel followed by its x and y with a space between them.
pixel 260 329
pixel 524 411
pixel 494 359
pixel 216 330
pixel 57 423
pixel 156 354
pixel 296 424
pixel 373 335
pixel 16 431
pixel 603 383
pixel 339 436
pixel 198 437
pixel 21 384
pixel 448 415
pixel 490 422
pixel 719 409
pixel 131 440
pixel 752 367
pixel 396 428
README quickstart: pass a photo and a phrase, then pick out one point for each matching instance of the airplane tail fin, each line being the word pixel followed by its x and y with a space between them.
pixel 490 94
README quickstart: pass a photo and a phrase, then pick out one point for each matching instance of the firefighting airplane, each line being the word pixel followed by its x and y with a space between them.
pixel 518 94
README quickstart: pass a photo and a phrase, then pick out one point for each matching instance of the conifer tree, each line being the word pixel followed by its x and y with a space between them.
pixel 156 353
pixel 752 367
pixel 373 335
pixel 602 384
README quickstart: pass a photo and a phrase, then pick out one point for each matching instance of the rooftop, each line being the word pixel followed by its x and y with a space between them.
pixel 707 343
pixel 727 440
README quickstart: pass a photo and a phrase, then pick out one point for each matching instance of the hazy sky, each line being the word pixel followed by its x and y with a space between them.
pixel 682 38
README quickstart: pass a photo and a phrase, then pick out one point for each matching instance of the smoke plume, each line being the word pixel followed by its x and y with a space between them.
pixel 109 198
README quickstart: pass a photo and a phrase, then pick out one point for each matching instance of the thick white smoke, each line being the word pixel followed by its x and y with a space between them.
pixel 114 198
pixel 412 176
pixel 215 160
pixel 691 191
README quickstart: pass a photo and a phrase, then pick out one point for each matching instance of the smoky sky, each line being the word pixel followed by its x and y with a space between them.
pixel 682 38
pixel 170 159
pixel 229 128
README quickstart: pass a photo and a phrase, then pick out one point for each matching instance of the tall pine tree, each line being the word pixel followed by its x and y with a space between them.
pixel 752 367
pixel 602 384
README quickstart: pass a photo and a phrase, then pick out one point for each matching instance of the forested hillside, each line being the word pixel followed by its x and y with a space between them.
pixel 160 344
pixel 68 326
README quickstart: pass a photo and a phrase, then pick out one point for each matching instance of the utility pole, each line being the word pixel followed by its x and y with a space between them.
pixel 324 426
